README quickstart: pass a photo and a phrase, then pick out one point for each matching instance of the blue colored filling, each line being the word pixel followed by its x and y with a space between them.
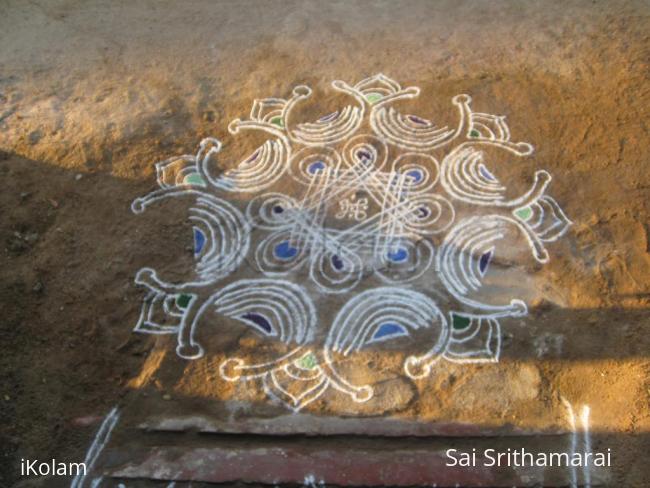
pixel 337 262
pixel 259 321
pixel 284 250
pixel 364 155
pixel 400 255
pixel 389 329
pixel 329 117
pixel 416 174
pixel 199 241
pixel 486 173
pixel 417 120
pixel 484 261
pixel 317 166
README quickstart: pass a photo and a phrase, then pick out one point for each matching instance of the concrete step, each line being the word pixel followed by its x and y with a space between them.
pixel 375 464
pixel 129 452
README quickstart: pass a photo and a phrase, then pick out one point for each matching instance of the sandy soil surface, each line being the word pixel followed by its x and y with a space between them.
pixel 93 93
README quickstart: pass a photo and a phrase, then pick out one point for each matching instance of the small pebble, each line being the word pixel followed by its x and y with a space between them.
pixel 167 396
pixel 78 176
pixel 35 136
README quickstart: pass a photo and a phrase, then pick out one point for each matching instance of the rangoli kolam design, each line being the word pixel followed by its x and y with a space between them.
pixel 398 220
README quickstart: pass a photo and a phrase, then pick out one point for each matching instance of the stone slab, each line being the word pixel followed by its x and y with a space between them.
pixel 313 425
pixel 327 466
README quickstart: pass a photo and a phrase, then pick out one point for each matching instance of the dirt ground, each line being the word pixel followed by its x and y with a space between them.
pixel 93 93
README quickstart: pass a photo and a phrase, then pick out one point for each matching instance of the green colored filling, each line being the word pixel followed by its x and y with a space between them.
pixel 277 121
pixel 459 322
pixel 524 213
pixel 373 97
pixel 308 361
pixel 183 300
pixel 194 179
pixel 474 133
